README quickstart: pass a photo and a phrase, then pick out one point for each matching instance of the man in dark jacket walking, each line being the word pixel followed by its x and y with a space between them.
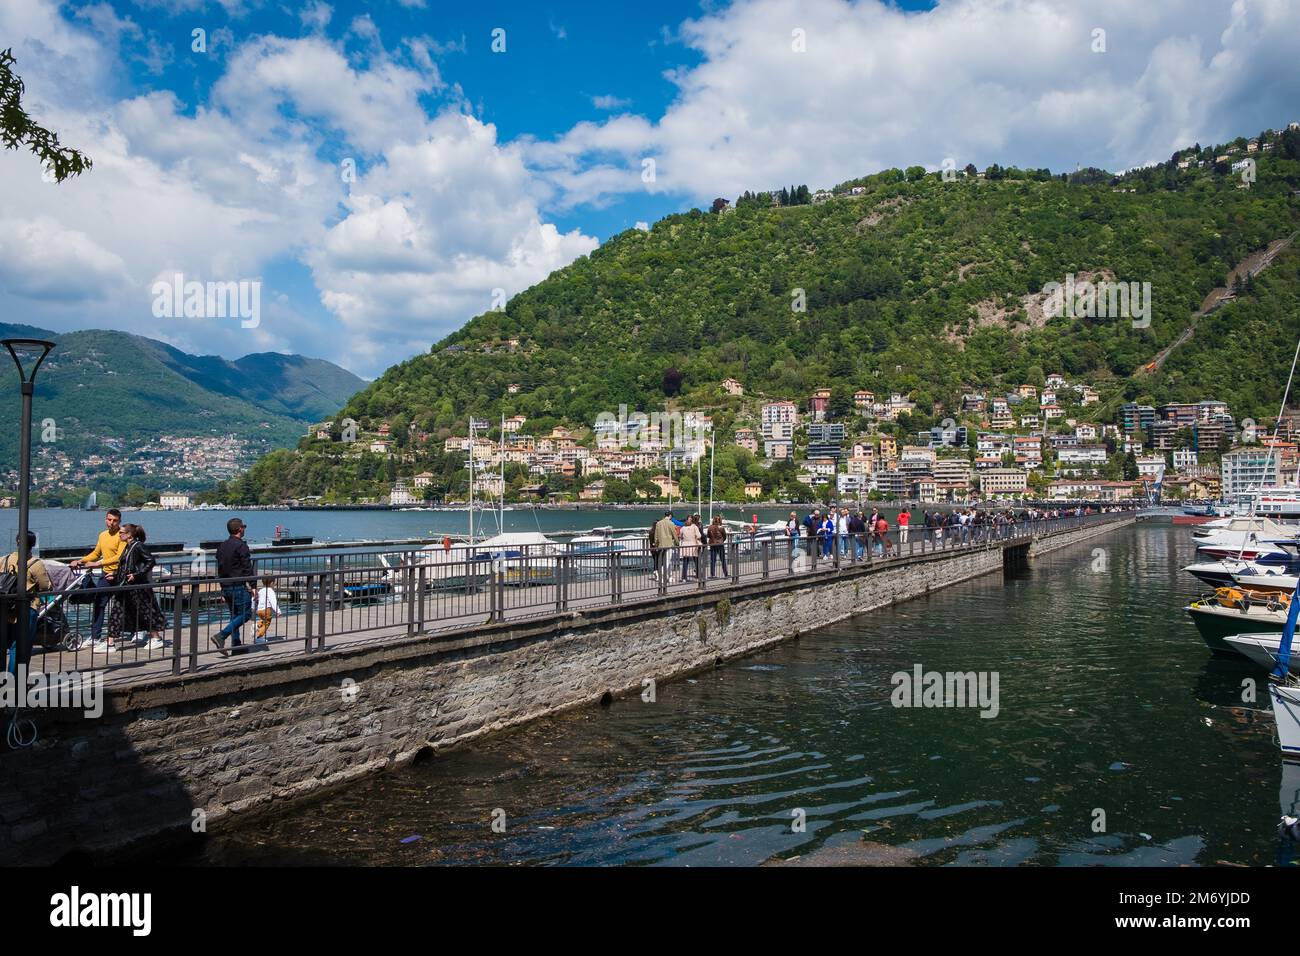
pixel 234 561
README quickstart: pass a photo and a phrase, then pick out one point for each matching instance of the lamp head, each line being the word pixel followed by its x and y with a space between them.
pixel 28 354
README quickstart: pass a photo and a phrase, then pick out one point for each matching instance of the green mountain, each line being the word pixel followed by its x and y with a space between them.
pixel 118 397
pixel 903 282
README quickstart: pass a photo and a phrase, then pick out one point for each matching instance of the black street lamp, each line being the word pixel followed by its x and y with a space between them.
pixel 28 354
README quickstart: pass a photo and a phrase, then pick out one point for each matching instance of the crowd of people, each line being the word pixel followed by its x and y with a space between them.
pixel 677 545
pixel 689 538
pixel 854 530
pixel 119 572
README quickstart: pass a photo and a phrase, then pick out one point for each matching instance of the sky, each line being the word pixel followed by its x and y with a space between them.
pixel 382 172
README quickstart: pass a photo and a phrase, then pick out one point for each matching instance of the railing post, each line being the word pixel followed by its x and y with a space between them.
pixel 497 580
pixel 421 589
pixel 309 613
pixel 767 558
pixel 194 625
pixel 409 574
pixel 177 605
pixel 331 577
pixel 563 566
pixel 735 561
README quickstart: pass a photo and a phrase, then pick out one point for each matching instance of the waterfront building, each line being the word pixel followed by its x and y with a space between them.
pixel 401 495
pixel 1248 469
pixel 1003 482
pixel 952 471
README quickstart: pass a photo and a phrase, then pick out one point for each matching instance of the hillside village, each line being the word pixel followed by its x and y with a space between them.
pixel 964 410
pixel 1050 441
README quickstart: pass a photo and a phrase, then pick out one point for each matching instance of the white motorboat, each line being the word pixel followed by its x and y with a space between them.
pixel 1285 699
pixel 1260 648
pixel 1241 523
pixel 1218 573
pixel 1250 539
pixel 1255 577
pixel 1284 686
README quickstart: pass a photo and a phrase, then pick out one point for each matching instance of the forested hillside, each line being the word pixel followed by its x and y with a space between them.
pixel 913 284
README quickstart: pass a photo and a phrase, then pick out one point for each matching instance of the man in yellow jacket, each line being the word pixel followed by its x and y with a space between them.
pixel 108 551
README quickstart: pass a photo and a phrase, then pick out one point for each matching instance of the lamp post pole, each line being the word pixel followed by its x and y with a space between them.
pixel 18 349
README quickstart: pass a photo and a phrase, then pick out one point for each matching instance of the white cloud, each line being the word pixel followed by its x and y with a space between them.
pixel 1012 82
pixel 41 259
pixel 433 231
pixel 247 185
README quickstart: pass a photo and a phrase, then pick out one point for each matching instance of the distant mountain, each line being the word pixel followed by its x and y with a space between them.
pixel 127 399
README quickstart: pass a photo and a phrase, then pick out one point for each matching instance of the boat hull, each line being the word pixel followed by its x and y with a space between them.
pixel 1260 649
pixel 1279 583
pixel 1215 623
pixel 1285 699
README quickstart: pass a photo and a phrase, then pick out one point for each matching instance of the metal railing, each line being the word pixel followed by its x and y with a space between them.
pixel 329 600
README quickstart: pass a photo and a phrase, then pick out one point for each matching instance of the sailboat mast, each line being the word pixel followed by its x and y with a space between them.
pixel 501 454
pixel 471 479
pixel 1268 458
pixel 711 458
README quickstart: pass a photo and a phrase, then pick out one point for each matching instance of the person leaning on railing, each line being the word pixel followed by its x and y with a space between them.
pixel 105 556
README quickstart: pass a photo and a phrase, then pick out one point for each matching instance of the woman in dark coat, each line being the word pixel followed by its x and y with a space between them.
pixel 137 609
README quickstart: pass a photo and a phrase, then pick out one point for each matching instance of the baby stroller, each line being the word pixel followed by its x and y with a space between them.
pixel 53 630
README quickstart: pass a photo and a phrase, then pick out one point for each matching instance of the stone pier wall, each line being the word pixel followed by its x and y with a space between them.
pixel 195 752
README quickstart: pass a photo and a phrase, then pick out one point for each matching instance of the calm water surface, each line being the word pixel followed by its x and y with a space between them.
pixel 67 527
pixel 1108 700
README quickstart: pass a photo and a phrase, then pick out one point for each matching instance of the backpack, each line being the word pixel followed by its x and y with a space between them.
pixel 9 578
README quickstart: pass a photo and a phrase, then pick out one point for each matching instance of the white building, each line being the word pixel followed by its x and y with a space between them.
pixel 174 501
pixel 1247 469
pixel 400 495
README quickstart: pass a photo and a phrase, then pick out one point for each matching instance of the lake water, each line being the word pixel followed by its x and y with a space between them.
pixel 1108 701
pixel 61 527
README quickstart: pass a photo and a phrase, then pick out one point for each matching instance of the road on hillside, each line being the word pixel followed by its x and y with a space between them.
pixel 1253 264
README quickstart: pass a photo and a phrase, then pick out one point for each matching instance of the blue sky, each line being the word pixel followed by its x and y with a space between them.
pixel 479 172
